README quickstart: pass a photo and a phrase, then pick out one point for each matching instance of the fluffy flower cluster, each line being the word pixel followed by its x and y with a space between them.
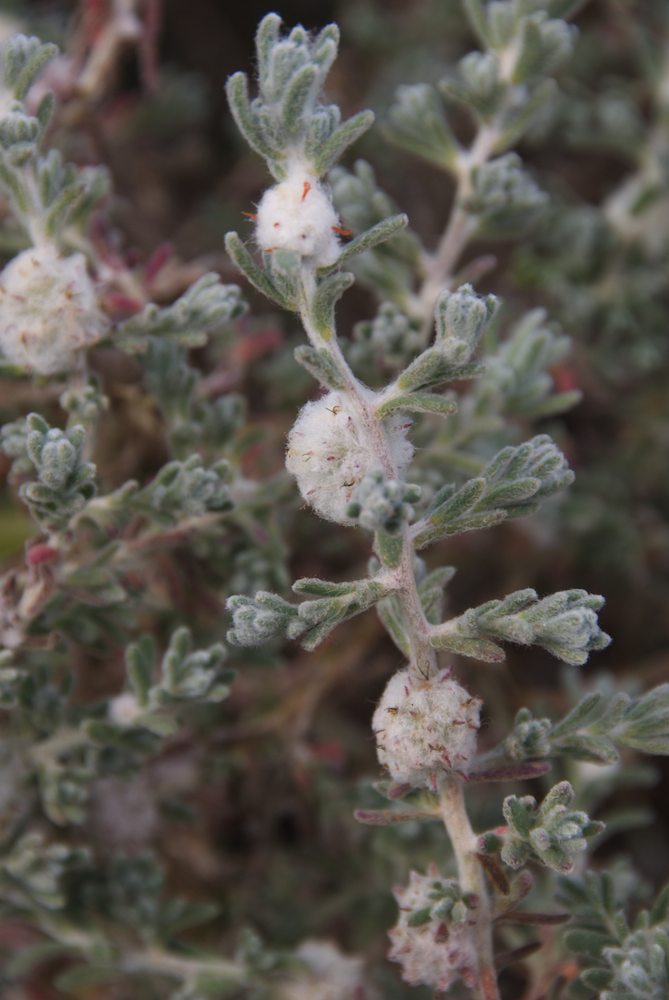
pixel 425 728
pixel 297 214
pixel 329 453
pixel 432 950
pixel 124 709
pixel 48 311
pixel 329 975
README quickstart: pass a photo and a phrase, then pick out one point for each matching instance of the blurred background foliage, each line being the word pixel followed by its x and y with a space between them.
pixel 251 807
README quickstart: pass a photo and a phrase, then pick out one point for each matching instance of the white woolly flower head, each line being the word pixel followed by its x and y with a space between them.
pixel 48 310
pixel 329 453
pixel 424 729
pixel 433 938
pixel 124 709
pixel 297 214
pixel 329 975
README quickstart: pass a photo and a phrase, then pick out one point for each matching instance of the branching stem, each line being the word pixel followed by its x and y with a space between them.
pixel 471 878
pixel 152 959
pixel 440 267
pixel 423 658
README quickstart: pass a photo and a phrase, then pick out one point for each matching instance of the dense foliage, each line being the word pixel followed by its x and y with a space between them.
pixel 253 722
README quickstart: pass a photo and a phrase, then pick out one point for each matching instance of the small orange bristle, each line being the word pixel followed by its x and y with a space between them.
pixel 340 231
pixel 305 190
pixel 250 215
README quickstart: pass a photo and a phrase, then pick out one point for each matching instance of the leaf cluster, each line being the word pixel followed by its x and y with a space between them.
pixel 267 617
pixel 287 119
pixel 46 194
pixel 512 484
pixel 61 481
pixel 550 833
pixel 204 308
pixel 624 959
pixel 565 624
pixel 593 728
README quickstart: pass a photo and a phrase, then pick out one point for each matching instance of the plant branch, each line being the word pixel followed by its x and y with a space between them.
pixel 471 878
pixel 423 658
pixel 440 266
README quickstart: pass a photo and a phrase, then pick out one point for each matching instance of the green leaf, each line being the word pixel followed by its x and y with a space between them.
pixel 328 292
pixel 587 711
pixel 25 58
pixel 418 402
pixel 343 137
pixel 247 265
pixel 323 588
pixel 460 503
pixel 267 35
pixel 588 943
pixel 583 746
pixel 431 592
pixel 434 367
pixel 517 123
pixel 389 817
pixel 564 623
pixel 205 307
pixel 595 979
pixel 467 522
pixel 321 365
pixel 373 237
pixel 388 547
pixel 476 12
pixel 478 649
pixel 237 90
pixel 417 123
pixel 390 613
pixel 298 98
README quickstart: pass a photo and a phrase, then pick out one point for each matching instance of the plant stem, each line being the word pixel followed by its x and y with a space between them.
pixel 153 960
pixel 157 961
pixel 440 267
pixel 63 741
pixel 470 875
pixel 423 662
pixel 423 659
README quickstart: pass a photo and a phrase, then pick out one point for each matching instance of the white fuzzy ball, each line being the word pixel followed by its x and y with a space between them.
pixel 434 953
pixel 48 310
pixel 297 214
pixel 329 975
pixel 329 452
pixel 124 709
pixel 424 729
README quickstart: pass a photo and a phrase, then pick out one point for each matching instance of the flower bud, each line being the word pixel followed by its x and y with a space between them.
pixel 330 453
pixel 425 729
pixel 328 975
pixel 297 215
pixel 462 315
pixel 433 939
pixel 124 709
pixel 48 311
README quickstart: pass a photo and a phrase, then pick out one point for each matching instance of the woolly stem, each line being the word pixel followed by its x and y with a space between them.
pixel 423 659
pixel 154 960
pixel 470 875
pixel 151 960
pixel 440 267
